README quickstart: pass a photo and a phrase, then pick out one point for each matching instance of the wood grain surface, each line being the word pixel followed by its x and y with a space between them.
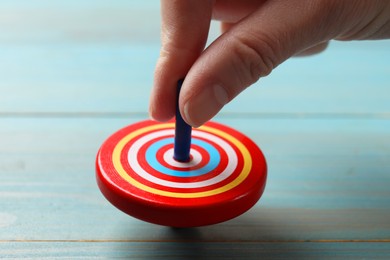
pixel 73 72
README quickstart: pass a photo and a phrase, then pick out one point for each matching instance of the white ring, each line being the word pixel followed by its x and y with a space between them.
pixel 136 167
pixel 196 159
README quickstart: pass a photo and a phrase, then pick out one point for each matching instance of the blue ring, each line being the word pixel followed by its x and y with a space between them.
pixel 151 158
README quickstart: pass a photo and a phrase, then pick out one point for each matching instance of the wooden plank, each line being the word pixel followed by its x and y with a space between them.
pixel 90 57
pixel 195 250
pixel 328 180
pixel 43 22
pixel 350 79
pixel 73 78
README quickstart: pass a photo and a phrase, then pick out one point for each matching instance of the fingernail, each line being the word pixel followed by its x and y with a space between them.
pixel 205 105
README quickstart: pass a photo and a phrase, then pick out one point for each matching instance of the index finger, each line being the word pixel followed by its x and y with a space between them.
pixel 185 27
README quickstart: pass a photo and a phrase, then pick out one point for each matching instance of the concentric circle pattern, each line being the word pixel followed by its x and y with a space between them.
pixel 137 173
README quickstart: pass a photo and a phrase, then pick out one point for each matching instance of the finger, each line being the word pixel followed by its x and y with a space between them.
pixel 233 11
pixel 225 26
pixel 185 26
pixel 314 49
pixel 250 49
pixel 318 48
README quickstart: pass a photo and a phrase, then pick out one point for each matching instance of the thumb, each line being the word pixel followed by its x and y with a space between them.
pixel 249 50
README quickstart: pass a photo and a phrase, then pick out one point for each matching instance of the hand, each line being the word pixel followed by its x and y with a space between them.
pixel 257 35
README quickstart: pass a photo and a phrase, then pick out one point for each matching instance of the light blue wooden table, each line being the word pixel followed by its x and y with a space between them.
pixel 73 72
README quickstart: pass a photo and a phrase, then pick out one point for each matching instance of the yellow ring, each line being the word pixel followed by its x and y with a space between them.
pixel 122 172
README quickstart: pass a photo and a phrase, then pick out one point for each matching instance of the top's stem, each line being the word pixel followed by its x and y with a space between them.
pixel 183 130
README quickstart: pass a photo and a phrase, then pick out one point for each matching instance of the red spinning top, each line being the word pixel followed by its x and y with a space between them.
pixel 222 175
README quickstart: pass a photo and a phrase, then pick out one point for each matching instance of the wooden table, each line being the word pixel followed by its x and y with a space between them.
pixel 73 72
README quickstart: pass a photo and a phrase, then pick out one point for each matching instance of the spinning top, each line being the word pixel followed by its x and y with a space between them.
pixel 172 175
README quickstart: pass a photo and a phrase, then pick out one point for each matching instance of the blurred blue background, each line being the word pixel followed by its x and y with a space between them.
pixel 99 56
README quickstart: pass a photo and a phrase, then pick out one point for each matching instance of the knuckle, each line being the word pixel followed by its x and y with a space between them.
pixel 256 57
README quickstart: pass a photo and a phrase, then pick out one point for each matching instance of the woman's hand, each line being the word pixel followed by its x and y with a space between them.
pixel 257 35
